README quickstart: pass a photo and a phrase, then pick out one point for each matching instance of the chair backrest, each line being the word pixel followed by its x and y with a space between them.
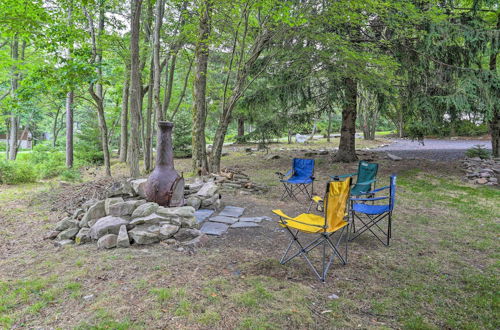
pixel 392 192
pixel 303 168
pixel 366 172
pixel 336 201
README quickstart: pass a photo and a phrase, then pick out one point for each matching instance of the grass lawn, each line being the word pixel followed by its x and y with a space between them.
pixel 441 270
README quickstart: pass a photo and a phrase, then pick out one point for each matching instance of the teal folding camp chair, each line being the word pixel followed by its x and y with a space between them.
pixel 366 178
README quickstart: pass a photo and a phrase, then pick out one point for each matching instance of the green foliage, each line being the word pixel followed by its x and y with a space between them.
pixel 182 134
pixel 16 172
pixel 478 151
pixel 468 128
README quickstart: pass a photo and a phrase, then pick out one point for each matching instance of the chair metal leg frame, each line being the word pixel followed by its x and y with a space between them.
pixel 292 190
pixel 373 222
pixel 324 239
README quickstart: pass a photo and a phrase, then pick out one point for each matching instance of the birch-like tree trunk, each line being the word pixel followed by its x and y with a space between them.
pixel 135 87
pixel 124 117
pixel 14 122
pixel 200 161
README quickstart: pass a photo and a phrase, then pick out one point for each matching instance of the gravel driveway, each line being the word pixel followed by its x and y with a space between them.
pixel 441 150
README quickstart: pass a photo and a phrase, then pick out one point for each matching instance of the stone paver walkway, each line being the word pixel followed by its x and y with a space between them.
pixel 229 217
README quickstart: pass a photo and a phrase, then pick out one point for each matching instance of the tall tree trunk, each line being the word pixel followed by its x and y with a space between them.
pixel 147 123
pixel 329 130
pixel 69 129
pixel 156 60
pixel 241 128
pixel 69 110
pixel 347 146
pixel 135 87
pixel 124 118
pixel 495 118
pixel 200 162
pixel 14 122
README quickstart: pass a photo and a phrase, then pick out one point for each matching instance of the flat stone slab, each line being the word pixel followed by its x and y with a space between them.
pixel 214 228
pixel 223 219
pixel 244 225
pixel 232 211
pixel 202 214
pixel 251 219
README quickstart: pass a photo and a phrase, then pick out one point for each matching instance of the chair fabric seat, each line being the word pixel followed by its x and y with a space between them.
pixel 298 180
pixel 360 189
pixel 371 209
pixel 307 222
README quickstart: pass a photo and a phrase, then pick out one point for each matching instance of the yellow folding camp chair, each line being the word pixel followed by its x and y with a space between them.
pixel 334 221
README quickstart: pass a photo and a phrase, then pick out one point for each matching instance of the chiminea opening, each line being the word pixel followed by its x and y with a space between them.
pixel 165 186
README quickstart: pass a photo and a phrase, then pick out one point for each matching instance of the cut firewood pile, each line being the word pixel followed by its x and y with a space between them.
pixel 233 178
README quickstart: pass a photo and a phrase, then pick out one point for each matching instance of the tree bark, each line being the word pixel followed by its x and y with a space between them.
pixel 14 123
pixel 96 91
pixel 156 60
pixel 495 118
pixel 329 130
pixel 124 118
pixel 147 123
pixel 347 146
pixel 69 110
pixel 135 88
pixel 241 128
pixel 199 157
pixel 69 129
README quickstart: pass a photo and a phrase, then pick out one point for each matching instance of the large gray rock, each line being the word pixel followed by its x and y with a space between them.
pixel 208 190
pixel 144 210
pixel 393 157
pixel 145 234
pixel 120 189
pixel 195 202
pixel 188 222
pixel 110 201
pixel 150 220
pixel 123 241
pixel 107 241
pixel 138 186
pixel 167 231
pixel 88 204
pixel 197 241
pixel 125 208
pixel 183 211
pixel 64 242
pixel 68 233
pixel 78 214
pixel 186 234
pixel 107 225
pixel 83 236
pixel 51 234
pixel 210 201
pixel 96 211
pixel 66 223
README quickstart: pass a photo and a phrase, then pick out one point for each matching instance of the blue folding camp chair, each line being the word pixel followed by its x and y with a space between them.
pixel 301 177
pixel 374 214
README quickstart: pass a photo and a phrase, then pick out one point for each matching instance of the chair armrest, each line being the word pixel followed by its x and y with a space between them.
pixel 282 176
pixel 343 176
pixel 379 189
pixel 281 214
pixel 369 199
pixel 317 199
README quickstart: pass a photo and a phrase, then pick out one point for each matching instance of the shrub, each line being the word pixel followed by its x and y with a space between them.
pixel 478 151
pixel 16 172
pixel 71 175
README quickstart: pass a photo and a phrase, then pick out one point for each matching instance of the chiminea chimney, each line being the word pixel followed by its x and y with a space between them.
pixel 165 186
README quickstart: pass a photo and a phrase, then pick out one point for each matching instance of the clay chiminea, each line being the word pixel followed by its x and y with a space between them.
pixel 165 186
